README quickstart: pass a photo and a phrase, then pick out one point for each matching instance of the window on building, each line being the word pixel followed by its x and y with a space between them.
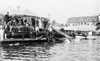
pixel 73 24
pixel 87 23
pixel 81 23
pixel 88 19
pixel 81 19
pixel 75 19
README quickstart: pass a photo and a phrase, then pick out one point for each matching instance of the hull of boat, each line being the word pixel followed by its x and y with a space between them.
pixel 91 37
pixel 80 37
pixel 26 40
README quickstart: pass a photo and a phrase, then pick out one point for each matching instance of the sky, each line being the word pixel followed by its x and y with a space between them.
pixel 58 10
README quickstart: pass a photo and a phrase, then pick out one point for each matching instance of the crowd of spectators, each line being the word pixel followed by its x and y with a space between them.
pixel 18 21
pixel 15 21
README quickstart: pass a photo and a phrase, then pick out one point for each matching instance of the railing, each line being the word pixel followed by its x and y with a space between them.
pixel 21 30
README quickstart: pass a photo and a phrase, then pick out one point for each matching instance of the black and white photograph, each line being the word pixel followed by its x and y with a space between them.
pixel 49 30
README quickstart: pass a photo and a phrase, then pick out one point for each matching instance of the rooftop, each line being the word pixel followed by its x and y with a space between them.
pixel 83 19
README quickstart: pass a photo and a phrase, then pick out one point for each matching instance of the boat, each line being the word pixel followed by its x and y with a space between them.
pixel 80 37
pixel 91 36
pixel 20 28
pixel 26 28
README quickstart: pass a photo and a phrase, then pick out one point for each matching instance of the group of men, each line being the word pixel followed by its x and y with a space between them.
pixel 14 21
pixel 23 21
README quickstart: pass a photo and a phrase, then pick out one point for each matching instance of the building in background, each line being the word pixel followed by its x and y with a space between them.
pixel 86 23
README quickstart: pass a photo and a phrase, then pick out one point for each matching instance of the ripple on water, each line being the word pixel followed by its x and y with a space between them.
pixel 73 51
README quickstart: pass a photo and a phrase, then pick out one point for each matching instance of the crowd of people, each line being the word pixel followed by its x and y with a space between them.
pixel 11 21
pixel 16 21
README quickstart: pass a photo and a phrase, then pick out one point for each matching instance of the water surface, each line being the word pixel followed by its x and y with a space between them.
pixel 81 50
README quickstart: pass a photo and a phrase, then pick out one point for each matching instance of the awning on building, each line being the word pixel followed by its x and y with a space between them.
pixel 85 28
pixel 69 28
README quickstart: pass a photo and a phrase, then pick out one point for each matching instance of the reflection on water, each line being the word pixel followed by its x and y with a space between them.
pixel 29 52
pixel 83 50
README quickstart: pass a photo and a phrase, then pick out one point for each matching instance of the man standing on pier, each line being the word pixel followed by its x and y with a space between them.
pixel 33 22
pixel 6 18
